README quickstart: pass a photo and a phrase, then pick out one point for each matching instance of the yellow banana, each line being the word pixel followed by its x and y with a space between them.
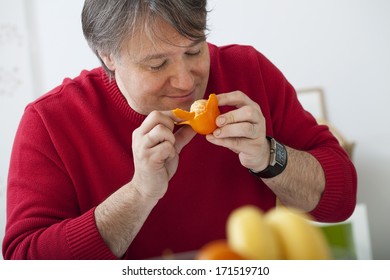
pixel 250 236
pixel 298 238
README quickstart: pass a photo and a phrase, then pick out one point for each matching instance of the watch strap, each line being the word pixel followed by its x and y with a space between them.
pixel 278 161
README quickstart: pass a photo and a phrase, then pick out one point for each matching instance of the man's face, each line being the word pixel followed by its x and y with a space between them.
pixel 162 74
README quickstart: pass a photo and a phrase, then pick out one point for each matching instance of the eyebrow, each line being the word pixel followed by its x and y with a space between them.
pixel 163 55
pixel 152 57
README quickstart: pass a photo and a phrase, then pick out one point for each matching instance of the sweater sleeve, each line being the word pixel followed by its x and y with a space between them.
pixel 43 217
pixel 289 123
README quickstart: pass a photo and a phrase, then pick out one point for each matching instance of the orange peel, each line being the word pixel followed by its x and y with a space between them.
pixel 201 116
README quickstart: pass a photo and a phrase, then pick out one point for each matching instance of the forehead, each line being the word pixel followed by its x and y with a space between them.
pixel 162 39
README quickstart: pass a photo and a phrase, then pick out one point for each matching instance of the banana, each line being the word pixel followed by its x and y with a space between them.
pixel 250 236
pixel 298 238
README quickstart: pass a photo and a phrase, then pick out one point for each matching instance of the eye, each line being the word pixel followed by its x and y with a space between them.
pixel 158 67
pixel 193 53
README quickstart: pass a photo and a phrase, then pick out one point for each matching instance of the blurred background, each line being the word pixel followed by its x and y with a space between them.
pixel 341 46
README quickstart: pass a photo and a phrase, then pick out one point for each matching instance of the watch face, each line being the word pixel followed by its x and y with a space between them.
pixel 277 163
pixel 280 154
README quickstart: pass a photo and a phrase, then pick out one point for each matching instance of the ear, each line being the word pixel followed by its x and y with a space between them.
pixel 108 60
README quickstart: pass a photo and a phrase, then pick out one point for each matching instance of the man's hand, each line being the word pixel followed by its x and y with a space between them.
pixel 242 130
pixel 156 153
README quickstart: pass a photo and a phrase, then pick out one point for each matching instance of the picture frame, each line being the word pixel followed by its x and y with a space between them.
pixel 312 100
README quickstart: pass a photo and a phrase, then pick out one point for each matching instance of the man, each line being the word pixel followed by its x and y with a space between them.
pixel 100 171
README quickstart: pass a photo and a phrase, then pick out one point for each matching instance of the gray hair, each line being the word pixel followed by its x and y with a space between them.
pixel 108 23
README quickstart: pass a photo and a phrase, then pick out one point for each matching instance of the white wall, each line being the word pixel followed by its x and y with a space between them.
pixel 340 45
pixel 15 85
pixel 59 45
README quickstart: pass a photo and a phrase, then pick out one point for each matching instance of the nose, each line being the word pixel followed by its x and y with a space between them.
pixel 182 77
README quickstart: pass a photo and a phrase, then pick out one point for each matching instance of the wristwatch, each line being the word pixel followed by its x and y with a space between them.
pixel 277 163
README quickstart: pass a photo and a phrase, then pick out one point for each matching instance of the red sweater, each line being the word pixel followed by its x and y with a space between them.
pixel 73 149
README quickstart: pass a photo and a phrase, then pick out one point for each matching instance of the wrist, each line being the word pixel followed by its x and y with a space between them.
pixel 277 160
pixel 141 195
pixel 264 159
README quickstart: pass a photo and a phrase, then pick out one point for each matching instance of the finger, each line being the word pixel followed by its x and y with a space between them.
pixel 183 136
pixel 159 134
pixel 250 114
pixel 234 98
pixel 244 130
pixel 155 118
pixel 170 115
pixel 162 152
pixel 235 144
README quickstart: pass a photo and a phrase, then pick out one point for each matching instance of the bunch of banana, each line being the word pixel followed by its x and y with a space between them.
pixel 280 233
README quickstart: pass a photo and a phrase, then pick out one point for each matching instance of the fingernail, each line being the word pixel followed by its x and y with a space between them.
pixel 217 132
pixel 221 120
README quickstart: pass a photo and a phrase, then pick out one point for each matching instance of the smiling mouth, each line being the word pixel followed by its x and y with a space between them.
pixel 185 96
pixel 183 100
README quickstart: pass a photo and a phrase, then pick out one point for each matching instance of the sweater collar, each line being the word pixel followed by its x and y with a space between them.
pixel 120 101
